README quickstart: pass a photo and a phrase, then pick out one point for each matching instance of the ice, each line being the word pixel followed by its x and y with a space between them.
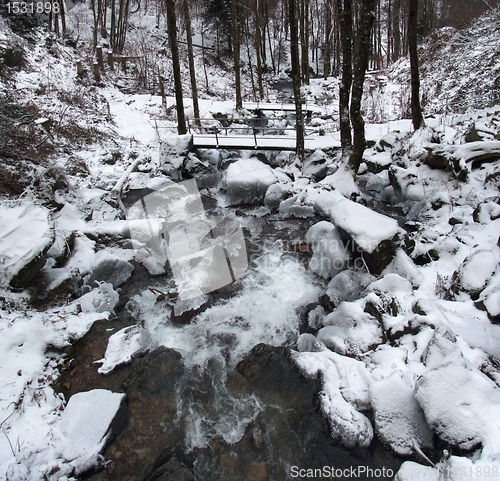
pixel 123 346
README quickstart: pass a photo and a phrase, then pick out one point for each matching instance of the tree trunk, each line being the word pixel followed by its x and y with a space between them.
pixel 416 110
pixel 172 36
pixel 192 71
pixel 236 54
pixel 396 53
pixel 327 61
pixel 362 58
pixel 258 49
pixel 295 58
pixel 344 10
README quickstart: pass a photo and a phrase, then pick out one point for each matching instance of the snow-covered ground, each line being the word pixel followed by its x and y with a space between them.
pixel 409 351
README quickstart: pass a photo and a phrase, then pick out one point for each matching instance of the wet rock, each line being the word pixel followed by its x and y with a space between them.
pixel 150 445
pixel 247 181
pixel 289 431
pixel 315 166
pixel 206 173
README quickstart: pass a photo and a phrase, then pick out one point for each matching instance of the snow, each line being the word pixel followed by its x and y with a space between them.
pixel 123 346
pixel 399 419
pixel 411 345
pixel 86 420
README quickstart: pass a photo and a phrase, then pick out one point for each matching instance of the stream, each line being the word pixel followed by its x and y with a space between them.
pixel 220 398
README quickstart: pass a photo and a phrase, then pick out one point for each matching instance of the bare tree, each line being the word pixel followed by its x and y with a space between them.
pixel 192 71
pixel 295 57
pixel 236 54
pixel 416 109
pixel 174 48
pixel 344 12
pixel 367 16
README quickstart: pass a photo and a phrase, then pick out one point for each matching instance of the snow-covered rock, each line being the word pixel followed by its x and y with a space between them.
pixel 344 394
pixel 315 166
pixel 404 266
pixel 275 194
pixel 475 272
pixel 329 256
pixel 399 420
pixel 26 234
pixel 88 421
pixel 348 286
pixel 406 184
pixel 373 235
pixel 461 405
pixel 378 162
pixel 109 268
pixel 349 330
pixel 123 346
pixel 247 181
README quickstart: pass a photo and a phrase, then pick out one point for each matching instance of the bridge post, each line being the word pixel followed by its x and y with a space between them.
pixel 216 139
pixel 189 125
pixel 255 136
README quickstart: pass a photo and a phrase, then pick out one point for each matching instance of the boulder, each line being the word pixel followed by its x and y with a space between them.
pixel 379 162
pixel 348 286
pixel 315 166
pixel 275 194
pixel 329 255
pixel 247 180
pixel 399 419
pixel 349 330
pixel 475 272
pixel 89 421
pixel 373 236
pixel 406 184
pixel 26 234
pixel 461 404
pixel 205 172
